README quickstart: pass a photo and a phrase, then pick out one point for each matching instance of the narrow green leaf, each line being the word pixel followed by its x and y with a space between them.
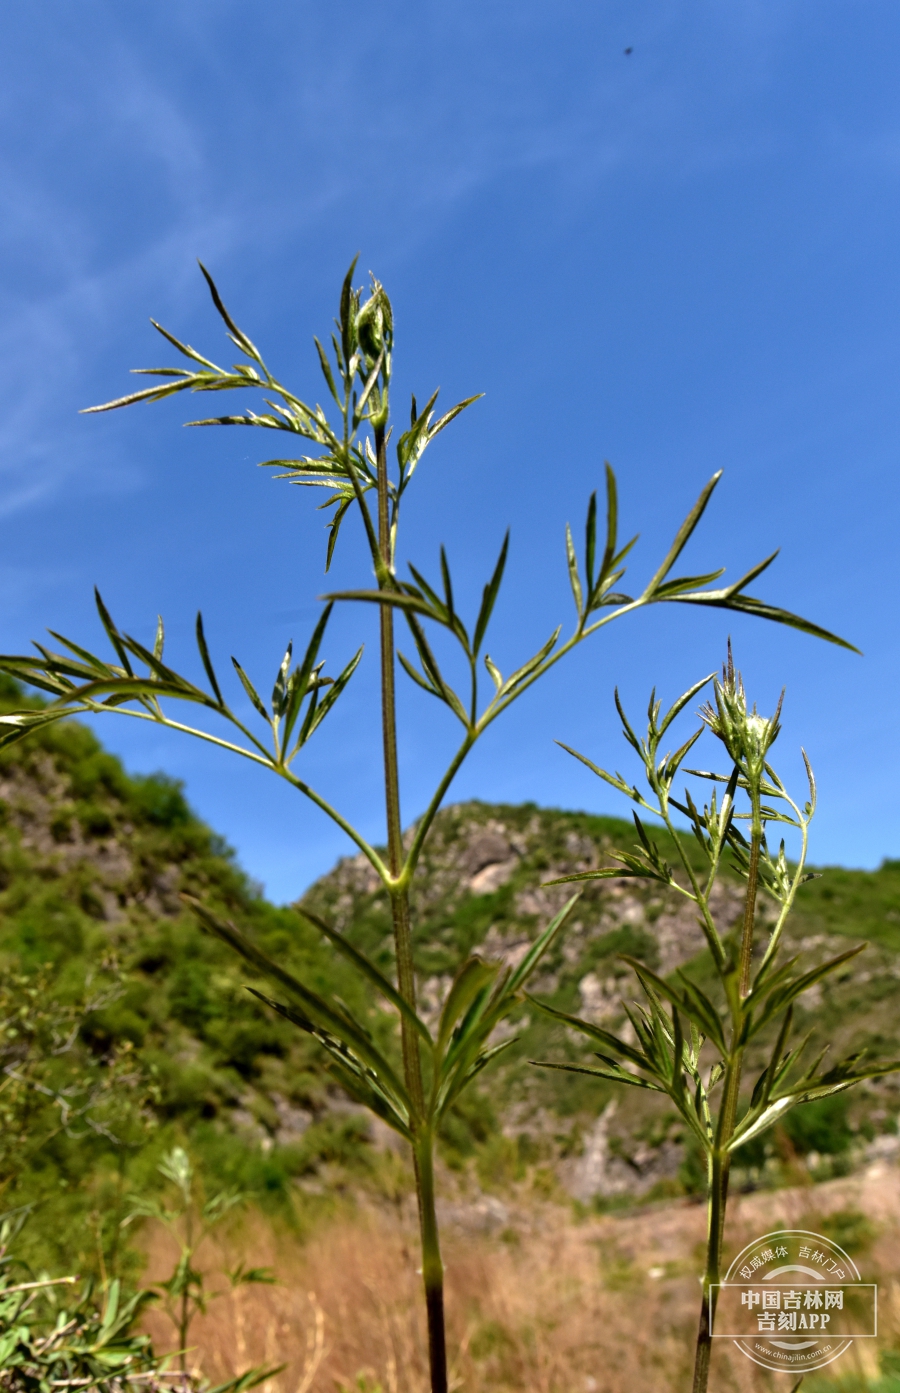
pixel 300 681
pixel 368 969
pixel 388 597
pixel 207 661
pixel 347 328
pixel 612 525
pixel 146 394
pixel 607 873
pixel 240 337
pixel 534 662
pixel 495 673
pixel 574 581
pixel 489 599
pixel 780 996
pixel 746 604
pixel 593 1032
pixel 362 1082
pixel 682 536
pixel 695 1005
pixel 540 946
pixel 471 979
pixel 672 588
pixel 617 1076
pixel 678 706
pixel 315 718
pixel 416 676
pixel 590 542
pixel 451 415
pixel 448 584
pixel 184 348
pixel 347 1031
pixel 112 632
pixel 615 780
pixel 250 690
pixel 334 528
pixel 280 689
pixel 326 371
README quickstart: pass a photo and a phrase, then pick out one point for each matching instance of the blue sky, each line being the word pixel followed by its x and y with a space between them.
pixel 682 259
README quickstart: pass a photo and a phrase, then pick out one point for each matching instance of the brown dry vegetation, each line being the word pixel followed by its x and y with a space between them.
pixel 550 1304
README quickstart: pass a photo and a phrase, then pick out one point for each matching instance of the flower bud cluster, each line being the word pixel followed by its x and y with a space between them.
pixel 746 735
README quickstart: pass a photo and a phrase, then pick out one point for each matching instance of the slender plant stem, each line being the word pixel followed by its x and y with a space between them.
pixel 750 903
pixel 406 981
pixel 432 1265
pixel 423 1149
pixel 720 1156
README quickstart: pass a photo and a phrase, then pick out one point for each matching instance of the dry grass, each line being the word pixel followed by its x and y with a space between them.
pixel 551 1306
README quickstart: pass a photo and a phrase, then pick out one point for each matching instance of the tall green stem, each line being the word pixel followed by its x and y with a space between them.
pixel 750 903
pixel 432 1265
pixel 720 1155
pixel 719 1166
pixel 423 1149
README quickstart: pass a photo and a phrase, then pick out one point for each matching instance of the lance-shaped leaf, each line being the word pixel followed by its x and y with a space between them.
pixel 597 1034
pixel 678 706
pixel 843 1076
pixel 616 781
pixel 238 336
pixel 443 608
pixel 299 683
pixel 483 1011
pixel 574 579
pixel 781 993
pixel 470 983
pixel 413 443
pixel 747 604
pixel 774 1071
pixel 522 673
pixel 251 690
pixel 489 599
pixel 611 1073
pixel 431 678
pixel 368 969
pixel 336 1022
pixel 361 1080
pixel 316 715
pixel 279 690
pixel 16 725
pixel 682 537
pixel 690 1000
pixel 207 661
pixel 590 540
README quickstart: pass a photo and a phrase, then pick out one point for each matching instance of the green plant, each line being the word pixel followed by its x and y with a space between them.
pixel 52 1084
pixel 88 1345
pixel 412 1095
pixel 190 1222
pixel 756 993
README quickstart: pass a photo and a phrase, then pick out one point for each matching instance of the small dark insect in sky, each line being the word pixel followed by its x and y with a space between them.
pixel 628 52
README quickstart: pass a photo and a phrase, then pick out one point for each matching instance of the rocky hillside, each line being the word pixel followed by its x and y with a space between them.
pixel 91 865
pixel 481 886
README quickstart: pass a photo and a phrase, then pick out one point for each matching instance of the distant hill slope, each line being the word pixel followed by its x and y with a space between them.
pixel 91 863
pixel 480 886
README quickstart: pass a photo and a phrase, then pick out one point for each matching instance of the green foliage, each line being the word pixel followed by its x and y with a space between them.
pixel 190 1219
pixel 679 1021
pixel 414 1094
pixel 822 1125
pixel 45 1342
